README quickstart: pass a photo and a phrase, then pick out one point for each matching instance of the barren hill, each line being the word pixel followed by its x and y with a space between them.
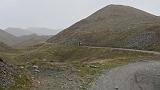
pixel 114 26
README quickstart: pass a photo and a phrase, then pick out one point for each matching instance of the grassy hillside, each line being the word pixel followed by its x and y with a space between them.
pixel 114 26
pixel 54 53
pixel 70 68
pixel 5 48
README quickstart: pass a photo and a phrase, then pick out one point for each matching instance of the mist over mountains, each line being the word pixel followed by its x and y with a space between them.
pixel 22 39
pixel 32 30
pixel 7 38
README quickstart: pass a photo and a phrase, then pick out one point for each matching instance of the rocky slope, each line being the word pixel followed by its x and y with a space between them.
pixel 11 78
pixel 6 75
pixel 114 26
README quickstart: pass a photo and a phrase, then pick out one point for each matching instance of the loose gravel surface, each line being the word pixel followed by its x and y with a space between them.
pixel 137 76
pixel 56 79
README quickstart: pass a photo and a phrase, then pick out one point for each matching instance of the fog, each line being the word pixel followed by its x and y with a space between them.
pixel 59 14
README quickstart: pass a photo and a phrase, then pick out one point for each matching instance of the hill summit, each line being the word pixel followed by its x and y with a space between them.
pixel 114 26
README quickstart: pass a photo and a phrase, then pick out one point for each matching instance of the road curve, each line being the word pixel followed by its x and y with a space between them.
pixel 137 76
pixel 124 49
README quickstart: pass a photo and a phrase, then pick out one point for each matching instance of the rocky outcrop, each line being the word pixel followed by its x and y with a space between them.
pixel 7 74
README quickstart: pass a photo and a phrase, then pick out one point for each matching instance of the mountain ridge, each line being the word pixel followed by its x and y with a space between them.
pixel 112 26
pixel 31 30
pixel 21 41
pixel 18 31
pixel 7 38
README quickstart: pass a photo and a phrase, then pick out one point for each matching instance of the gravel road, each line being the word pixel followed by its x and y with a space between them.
pixel 124 49
pixel 137 76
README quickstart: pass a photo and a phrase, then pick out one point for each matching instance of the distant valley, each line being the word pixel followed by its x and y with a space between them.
pixel 23 40
pixel 32 30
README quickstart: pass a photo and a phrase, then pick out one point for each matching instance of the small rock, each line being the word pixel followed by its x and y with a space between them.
pixel 22 67
pixel 35 66
pixel 93 66
pixel 36 70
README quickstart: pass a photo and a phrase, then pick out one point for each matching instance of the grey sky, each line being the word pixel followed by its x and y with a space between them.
pixel 60 13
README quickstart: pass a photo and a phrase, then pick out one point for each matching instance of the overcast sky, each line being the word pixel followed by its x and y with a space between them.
pixel 58 14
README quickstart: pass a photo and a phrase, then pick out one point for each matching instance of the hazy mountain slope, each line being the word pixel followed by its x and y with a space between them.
pixel 44 31
pixel 7 38
pixel 21 41
pixel 18 31
pixel 5 48
pixel 33 30
pixel 115 26
pixel 30 40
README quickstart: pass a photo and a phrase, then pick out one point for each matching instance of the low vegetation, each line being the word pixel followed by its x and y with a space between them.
pixel 13 78
pixel 71 68
pixel 53 53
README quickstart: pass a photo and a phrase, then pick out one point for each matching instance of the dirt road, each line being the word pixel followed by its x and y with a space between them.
pixel 124 49
pixel 136 76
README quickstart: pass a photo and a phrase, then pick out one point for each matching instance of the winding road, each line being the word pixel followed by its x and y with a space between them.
pixel 137 76
pixel 125 49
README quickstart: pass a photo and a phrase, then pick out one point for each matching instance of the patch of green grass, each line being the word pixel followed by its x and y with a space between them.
pixel 17 80
pixel 22 82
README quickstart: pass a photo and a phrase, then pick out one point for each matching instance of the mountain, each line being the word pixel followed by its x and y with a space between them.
pixel 31 40
pixel 43 31
pixel 7 38
pixel 18 31
pixel 22 41
pixel 114 26
pixel 5 48
pixel 33 30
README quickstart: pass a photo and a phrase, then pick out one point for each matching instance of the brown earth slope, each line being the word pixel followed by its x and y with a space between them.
pixel 114 26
